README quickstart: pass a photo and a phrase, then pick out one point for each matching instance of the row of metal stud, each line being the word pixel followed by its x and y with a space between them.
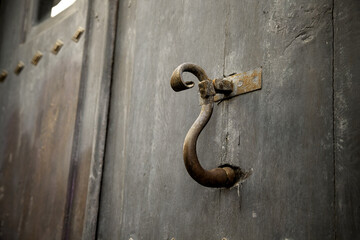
pixel 38 55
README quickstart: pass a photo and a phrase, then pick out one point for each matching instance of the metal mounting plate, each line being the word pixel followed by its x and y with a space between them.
pixel 243 82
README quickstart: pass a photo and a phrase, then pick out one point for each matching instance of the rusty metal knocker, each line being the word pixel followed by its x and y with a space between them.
pixel 223 176
pixel 211 91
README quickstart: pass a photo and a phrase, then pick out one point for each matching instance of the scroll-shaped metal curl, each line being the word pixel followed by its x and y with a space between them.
pixel 177 82
pixel 222 176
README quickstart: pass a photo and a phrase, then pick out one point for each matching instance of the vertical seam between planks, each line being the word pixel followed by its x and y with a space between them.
pixel 333 112
pixel 225 104
pixel 74 164
pixel 226 32
pixel 224 107
pixel 115 28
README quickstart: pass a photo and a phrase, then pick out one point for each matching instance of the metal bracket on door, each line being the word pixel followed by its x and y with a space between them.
pixel 210 92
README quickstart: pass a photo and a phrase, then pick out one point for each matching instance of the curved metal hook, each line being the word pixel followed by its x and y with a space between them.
pixel 223 176
pixel 177 82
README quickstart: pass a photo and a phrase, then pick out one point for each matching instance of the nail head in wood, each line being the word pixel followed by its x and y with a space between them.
pixel 19 67
pixel 79 32
pixel 3 75
pixel 35 60
pixel 57 47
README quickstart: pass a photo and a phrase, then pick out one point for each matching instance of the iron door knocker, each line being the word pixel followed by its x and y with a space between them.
pixel 224 176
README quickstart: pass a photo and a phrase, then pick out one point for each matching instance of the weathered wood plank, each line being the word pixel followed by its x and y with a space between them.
pixel 147 193
pixel 114 164
pixel 284 131
pixel 92 116
pixel 347 113
pixel 37 121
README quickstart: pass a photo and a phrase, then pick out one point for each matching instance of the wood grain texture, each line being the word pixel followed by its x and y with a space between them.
pixel 92 115
pixel 147 193
pixel 37 120
pixel 284 131
pixel 347 113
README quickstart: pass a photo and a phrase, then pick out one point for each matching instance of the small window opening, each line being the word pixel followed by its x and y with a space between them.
pixel 51 8
pixel 61 6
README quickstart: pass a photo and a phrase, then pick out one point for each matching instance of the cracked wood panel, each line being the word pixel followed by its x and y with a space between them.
pixel 347 113
pixel 284 131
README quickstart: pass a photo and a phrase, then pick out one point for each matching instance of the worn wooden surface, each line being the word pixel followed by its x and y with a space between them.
pixel 146 191
pixel 284 132
pixel 347 114
pixel 53 119
pixel 38 110
pixel 88 152
pixel 297 133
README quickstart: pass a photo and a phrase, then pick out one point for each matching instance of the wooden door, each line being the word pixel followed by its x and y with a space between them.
pixel 299 134
pixel 53 117
pixel 286 132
